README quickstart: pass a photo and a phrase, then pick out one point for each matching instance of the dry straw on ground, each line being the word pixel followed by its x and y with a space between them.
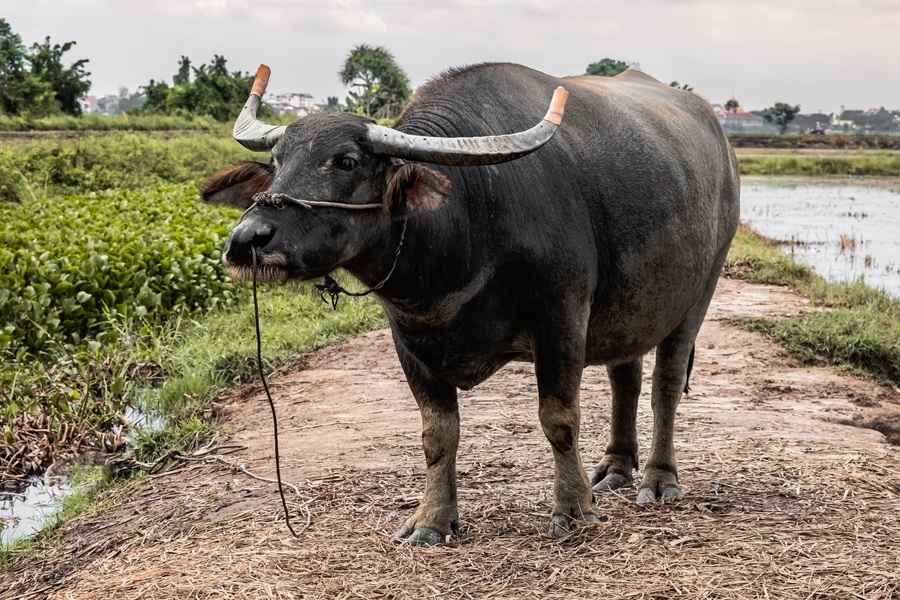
pixel 782 500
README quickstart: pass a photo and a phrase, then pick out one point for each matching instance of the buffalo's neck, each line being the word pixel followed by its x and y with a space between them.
pixel 438 256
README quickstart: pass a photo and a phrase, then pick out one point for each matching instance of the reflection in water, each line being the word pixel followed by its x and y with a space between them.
pixel 843 231
pixel 26 513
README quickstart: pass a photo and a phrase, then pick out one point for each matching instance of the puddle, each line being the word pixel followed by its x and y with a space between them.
pixel 25 513
pixel 843 231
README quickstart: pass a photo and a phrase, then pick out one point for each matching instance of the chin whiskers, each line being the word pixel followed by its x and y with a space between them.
pixel 264 273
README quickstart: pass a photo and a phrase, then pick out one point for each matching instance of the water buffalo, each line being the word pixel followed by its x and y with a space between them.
pixel 602 245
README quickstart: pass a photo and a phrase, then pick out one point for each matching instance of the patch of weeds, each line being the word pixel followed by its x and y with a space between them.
pixel 185 435
pixel 852 325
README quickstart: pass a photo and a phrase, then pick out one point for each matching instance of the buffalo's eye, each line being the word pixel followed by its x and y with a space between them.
pixel 346 163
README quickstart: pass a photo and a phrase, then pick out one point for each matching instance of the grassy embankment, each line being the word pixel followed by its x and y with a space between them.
pixel 851 325
pixel 115 296
pixel 97 122
pixel 868 163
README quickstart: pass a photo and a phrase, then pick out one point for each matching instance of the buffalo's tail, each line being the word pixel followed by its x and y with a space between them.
pixel 690 367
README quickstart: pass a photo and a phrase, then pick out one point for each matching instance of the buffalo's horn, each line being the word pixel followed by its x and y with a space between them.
pixel 248 130
pixel 470 151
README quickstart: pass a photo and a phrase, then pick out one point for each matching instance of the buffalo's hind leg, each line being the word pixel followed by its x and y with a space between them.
pixel 559 364
pixel 437 514
pixel 621 458
pixel 660 478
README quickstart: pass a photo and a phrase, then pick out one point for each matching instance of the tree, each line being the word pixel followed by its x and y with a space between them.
pixel 333 104
pixel 210 89
pixel 686 87
pixel 378 85
pixel 183 76
pixel 732 105
pixel 607 67
pixel 34 80
pixel 69 83
pixel 781 115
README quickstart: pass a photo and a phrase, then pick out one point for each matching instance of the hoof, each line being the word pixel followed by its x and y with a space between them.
pixel 658 484
pixel 562 525
pixel 420 536
pixel 612 481
pixel 613 472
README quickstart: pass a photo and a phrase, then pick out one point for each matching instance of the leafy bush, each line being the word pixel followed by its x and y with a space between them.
pixel 97 163
pixel 68 263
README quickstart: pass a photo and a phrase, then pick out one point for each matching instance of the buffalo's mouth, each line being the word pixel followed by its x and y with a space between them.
pixel 273 267
pixel 263 274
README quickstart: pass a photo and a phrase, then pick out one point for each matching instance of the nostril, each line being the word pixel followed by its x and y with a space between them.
pixel 262 235
pixel 245 237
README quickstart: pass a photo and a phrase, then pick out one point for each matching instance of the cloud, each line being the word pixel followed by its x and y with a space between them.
pixel 819 53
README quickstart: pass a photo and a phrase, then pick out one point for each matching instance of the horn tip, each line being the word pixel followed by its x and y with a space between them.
pixel 261 81
pixel 557 106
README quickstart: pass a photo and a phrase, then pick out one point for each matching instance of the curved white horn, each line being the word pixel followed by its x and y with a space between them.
pixel 470 151
pixel 248 130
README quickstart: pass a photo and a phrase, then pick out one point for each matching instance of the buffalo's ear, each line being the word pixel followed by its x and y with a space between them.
pixel 412 187
pixel 237 184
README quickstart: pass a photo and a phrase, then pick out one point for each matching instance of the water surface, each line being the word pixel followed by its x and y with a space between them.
pixel 844 231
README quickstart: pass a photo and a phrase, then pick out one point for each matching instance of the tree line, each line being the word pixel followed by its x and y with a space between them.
pixel 34 80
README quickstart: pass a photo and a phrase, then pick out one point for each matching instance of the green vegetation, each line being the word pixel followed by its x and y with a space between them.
pixel 606 67
pixel 96 163
pixel 852 325
pixel 211 90
pixel 781 115
pixel 117 298
pixel 99 122
pixel 380 88
pixel 801 141
pixel 34 80
pixel 884 164
pixel 198 359
pixel 67 264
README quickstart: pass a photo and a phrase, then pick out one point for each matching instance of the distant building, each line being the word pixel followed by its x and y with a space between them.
pixel 739 120
pixel 88 104
pixel 292 103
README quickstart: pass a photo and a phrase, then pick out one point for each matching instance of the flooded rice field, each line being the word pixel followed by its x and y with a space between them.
pixel 845 231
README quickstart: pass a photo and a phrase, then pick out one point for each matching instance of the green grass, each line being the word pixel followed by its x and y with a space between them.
pixel 98 122
pixel 101 162
pixel 203 357
pixel 883 164
pixel 851 325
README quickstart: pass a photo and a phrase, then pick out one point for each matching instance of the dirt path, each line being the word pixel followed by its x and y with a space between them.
pixel 782 501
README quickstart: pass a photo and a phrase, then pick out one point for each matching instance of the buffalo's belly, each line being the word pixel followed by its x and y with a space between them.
pixel 466 356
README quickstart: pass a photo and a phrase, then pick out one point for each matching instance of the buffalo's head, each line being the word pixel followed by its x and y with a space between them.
pixel 331 159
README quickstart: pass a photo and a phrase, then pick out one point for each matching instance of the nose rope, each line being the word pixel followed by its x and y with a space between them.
pixel 278 200
pixel 328 286
pixel 265 384
pixel 334 290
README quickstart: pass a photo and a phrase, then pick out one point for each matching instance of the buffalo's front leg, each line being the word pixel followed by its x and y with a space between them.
pixel 559 366
pixel 437 514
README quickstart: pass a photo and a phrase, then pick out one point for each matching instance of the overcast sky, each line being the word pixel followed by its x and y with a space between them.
pixel 819 53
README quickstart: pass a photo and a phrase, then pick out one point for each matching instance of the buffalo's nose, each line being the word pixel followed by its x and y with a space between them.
pixel 247 235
